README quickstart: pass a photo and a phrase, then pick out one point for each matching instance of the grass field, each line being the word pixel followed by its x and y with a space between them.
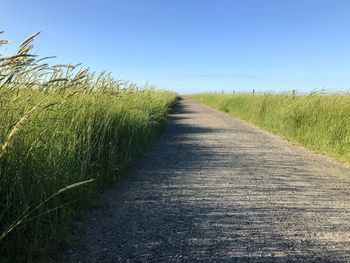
pixel 64 132
pixel 319 122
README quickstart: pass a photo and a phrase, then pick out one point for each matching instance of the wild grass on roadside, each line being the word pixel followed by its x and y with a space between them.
pixel 320 122
pixel 61 126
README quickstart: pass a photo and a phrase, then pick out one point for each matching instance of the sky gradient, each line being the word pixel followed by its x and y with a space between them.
pixel 194 46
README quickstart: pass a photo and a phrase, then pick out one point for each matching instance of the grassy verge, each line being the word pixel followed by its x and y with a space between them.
pixel 321 123
pixel 63 133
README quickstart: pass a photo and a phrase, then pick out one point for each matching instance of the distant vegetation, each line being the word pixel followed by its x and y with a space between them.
pixel 63 132
pixel 320 122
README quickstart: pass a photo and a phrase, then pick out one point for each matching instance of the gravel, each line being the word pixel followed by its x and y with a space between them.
pixel 216 189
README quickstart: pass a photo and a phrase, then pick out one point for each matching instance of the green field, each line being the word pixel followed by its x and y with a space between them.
pixel 319 122
pixel 64 133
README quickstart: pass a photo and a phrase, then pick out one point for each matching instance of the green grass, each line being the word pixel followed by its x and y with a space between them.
pixel 61 126
pixel 319 122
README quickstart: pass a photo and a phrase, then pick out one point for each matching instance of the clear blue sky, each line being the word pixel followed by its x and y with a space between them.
pixel 195 45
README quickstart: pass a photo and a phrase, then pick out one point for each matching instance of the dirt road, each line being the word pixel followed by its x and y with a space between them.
pixel 216 189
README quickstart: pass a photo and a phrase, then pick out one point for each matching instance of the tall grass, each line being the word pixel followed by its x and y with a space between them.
pixel 61 126
pixel 320 122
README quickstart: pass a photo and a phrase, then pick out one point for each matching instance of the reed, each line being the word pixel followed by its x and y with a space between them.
pixel 64 133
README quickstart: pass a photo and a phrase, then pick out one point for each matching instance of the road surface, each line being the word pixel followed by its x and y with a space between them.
pixel 216 189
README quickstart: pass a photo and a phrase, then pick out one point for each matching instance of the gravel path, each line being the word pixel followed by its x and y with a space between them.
pixel 216 189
